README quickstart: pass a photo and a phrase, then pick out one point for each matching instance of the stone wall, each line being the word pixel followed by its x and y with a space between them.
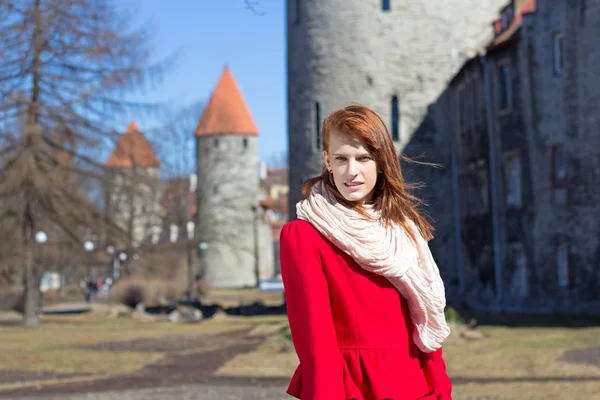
pixel 227 191
pixel 562 114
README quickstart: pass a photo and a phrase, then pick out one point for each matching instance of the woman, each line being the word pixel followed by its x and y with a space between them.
pixel 364 297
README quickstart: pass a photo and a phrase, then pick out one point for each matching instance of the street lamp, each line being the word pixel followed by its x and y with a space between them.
pixel 41 237
pixel 88 245
pixel 122 258
pixel 110 250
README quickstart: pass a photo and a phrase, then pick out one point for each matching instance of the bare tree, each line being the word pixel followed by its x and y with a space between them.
pixel 278 160
pixel 252 6
pixel 65 66
pixel 174 141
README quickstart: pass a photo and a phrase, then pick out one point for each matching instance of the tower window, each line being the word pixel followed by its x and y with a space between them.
pixel 317 125
pixel 505 87
pixel 395 119
pixel 296 11
pixel 216 143
pixel 386 5
pixel 558 54
pixel 245 141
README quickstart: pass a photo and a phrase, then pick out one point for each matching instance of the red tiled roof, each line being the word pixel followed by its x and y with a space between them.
pixel 133 149
pixel 226 111
pixel 514 26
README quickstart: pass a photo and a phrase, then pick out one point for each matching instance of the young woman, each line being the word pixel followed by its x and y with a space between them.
pixel 364 296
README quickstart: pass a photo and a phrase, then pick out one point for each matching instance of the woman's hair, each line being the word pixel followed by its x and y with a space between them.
pixel 391 195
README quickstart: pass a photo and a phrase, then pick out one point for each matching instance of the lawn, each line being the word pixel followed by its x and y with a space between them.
pixel 62 344
pixel 510 363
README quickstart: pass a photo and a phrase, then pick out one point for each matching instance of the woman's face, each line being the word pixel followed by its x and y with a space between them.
pixel 353 168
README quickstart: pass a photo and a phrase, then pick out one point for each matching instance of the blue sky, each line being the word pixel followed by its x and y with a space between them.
pixel 209 34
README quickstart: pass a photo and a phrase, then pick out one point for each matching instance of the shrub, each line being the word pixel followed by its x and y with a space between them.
pixel 11 298
pixel 452 315
pixel 150 292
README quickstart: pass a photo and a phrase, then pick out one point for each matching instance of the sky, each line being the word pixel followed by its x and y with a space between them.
pixel 206 35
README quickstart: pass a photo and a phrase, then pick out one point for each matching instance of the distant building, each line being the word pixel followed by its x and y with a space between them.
pixel 230 219
pixel 133 186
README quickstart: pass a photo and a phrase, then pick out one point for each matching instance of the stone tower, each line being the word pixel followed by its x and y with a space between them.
pixel 394 56
pixel 133 192
pixel 229 216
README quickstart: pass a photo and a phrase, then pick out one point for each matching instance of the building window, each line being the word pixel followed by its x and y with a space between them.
pixel 216 143
pixel 475 90
pixel 468 103
pixel 519 285
pixel 483 188
pixel 562 265
pixel 504 87
pixel 245 142
pixel 559 168
pixel 317 126
pixel 477 188
pixel 512 174
pixel 459 108
pixel 295 12
pixel 386 5
pixel 395 119
pixel 558 53
pixel 463 107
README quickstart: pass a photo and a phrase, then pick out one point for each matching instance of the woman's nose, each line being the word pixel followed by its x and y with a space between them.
pixel 352 168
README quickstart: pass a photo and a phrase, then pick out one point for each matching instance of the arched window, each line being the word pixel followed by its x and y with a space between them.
pixel 317 125
pixel 245 141
pixel 395 119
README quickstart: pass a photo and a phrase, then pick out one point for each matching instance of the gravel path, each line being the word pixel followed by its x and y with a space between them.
pixel 187 392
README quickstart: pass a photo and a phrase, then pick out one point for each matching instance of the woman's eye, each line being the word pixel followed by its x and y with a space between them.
pixel 339 158
pixel 365 158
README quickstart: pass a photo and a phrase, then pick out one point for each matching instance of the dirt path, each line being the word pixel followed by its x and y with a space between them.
pixel 189 362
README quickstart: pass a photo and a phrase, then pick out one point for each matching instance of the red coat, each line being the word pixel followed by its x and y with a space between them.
pixel 351 328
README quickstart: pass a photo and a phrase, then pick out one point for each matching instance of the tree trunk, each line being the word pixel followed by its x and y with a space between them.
pixel 30 281
pixel 190 269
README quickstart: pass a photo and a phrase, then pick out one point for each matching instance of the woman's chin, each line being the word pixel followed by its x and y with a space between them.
pixel 356 197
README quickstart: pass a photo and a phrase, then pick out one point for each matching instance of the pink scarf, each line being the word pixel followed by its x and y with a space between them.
pixel 409 266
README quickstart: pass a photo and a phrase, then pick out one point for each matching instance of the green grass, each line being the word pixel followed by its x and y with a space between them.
pixel 510 363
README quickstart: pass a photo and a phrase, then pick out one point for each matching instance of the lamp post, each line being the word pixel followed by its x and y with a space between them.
pixel 122 259
pixel 202 247
pixel 40 238
pixel 88 246
pixel 110 250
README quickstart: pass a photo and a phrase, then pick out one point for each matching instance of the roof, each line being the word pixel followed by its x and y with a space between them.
pixel 133 149
pixel 514 27
pixel 226 111
pixel 276 176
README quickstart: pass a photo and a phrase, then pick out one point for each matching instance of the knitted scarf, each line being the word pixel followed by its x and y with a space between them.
pixel 407 264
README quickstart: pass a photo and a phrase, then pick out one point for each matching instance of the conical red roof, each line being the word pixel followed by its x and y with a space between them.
pixel 226 111
pixel 133 149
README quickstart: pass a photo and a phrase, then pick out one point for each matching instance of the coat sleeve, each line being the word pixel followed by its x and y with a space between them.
pixel 309 314
pixel 438 375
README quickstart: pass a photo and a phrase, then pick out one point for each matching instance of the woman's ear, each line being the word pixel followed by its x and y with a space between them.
pixel 326 160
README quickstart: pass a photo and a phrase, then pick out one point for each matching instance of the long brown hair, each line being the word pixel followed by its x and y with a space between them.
pixel 391 192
